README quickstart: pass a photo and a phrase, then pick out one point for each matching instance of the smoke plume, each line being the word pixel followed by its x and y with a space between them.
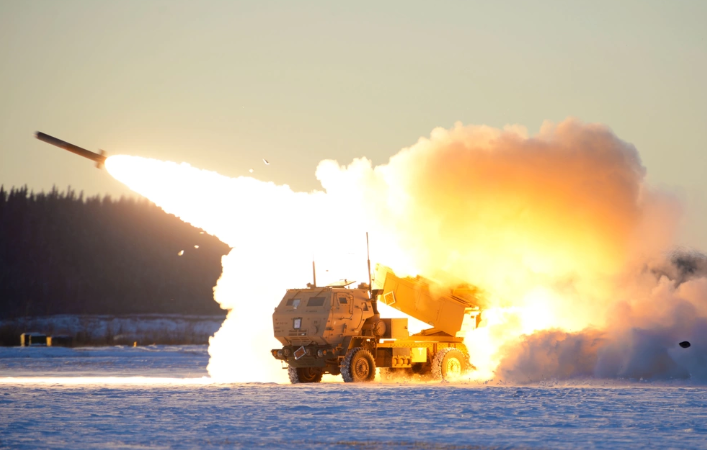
pixel 640 340
pixel 559 231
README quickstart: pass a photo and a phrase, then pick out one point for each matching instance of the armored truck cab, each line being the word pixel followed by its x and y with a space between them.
pixel 321 317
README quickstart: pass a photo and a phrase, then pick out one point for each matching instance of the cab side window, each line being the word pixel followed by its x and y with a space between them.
pixel 345 303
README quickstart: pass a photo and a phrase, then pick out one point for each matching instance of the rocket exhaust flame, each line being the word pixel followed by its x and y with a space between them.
pixel 559 231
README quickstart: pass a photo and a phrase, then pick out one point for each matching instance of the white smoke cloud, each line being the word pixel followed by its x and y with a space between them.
pixel 559 230
pixel 640 340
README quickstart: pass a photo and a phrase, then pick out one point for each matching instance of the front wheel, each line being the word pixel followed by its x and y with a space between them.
pixel 305 374
pixel 358 366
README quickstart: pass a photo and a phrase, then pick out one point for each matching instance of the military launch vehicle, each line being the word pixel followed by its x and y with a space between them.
pixel 337 329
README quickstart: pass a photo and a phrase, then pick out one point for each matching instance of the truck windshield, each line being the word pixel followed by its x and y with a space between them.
pixel 316 301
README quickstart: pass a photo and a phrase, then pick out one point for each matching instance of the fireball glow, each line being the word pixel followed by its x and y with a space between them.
pixel 549 227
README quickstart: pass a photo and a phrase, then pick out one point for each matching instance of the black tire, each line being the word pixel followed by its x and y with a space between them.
pixel 305 374
pixel 358 366
pixel 449 364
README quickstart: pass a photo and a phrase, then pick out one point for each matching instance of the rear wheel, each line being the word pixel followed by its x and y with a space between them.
pixel 358 366
pixel 305 374
pixel 449 364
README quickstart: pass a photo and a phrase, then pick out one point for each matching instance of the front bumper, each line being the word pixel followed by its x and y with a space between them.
pixel 305 356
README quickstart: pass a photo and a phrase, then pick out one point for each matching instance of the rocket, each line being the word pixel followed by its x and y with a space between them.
pixel 98 158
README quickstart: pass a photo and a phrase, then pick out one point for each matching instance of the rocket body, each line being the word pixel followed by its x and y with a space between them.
pixel 98 158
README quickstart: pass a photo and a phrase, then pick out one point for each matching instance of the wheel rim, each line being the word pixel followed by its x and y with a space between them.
pixel 308 374
pixel 362 369
pixel 454 368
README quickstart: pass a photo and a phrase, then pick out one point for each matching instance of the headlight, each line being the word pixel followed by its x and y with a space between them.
pixel 320 353
pixel 286 351
pixel 280 354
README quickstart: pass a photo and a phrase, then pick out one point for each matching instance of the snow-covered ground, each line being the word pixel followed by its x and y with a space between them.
pixel 157 397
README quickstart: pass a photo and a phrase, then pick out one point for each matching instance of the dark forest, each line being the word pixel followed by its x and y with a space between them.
pixel 61 253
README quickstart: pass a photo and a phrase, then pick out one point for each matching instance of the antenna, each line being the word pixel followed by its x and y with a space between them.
pixel 314 274
pixel 368 255
pixel 374 298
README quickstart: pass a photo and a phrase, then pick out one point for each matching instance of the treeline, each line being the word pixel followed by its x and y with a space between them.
pixel 61 253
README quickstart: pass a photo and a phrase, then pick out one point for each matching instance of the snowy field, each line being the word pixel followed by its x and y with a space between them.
pixel 157 397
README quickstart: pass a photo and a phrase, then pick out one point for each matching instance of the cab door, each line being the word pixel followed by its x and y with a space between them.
pixel 345 303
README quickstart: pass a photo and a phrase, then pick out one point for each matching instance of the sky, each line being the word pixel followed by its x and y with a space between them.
pixel 225 84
